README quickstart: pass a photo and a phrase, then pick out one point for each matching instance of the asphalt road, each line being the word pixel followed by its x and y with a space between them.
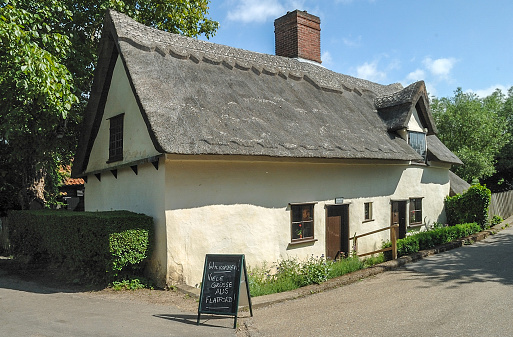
pixel 463 292
pixel 30 309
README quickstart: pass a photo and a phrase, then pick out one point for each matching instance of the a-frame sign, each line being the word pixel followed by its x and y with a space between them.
pixel 222 286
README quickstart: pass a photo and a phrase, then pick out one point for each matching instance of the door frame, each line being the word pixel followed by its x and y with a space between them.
pixel 403 219
pixel 342 211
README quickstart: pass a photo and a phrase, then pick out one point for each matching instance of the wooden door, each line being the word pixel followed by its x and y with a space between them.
pixel 399 217
pixel 337 230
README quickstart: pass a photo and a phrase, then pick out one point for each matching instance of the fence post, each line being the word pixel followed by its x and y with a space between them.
pixel 393 238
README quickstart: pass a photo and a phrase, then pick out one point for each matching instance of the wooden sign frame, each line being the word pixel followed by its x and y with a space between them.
pixel 223 275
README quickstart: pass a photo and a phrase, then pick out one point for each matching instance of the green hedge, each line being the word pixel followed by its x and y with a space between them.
pixel 432 238
pixel 97 246
pixel 471 206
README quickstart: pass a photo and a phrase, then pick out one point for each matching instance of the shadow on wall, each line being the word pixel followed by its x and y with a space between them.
pixel 271 185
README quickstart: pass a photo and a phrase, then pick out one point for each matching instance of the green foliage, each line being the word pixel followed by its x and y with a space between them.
pixel 37 92
pixel 290 274
pixel 315 270
pixel 471 206
pixel 131 284
pixel 97 247
pixel 48 49
pixel 474 129
pixel 496 219
pixel 432 238
pixel 350 264
pixel 505 156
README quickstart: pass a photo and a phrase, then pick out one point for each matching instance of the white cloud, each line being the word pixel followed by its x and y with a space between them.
pixel 440 68
pixel 352 42
pixel 351 1
pixel 259 11
pixel 416 75
pixel 326 58
pixel 488 91
pixel 369 71
pixel 256 11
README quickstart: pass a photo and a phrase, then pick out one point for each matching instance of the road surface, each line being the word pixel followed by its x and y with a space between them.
pixel 463 292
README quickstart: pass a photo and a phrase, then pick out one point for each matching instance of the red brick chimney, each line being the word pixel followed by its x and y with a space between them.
pixel 298 35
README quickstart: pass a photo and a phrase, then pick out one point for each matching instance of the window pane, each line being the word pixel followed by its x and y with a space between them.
pixel 416 210
pixel 308 230
pixel 302 221
pixel 296 213
pixel 297 230
pixel 368 210
pixel 116 138
pixel 417 141
pixel 307 212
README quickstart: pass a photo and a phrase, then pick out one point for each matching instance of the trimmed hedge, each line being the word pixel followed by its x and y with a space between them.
pixel 96 246
pixel 471 206
pixel 432 238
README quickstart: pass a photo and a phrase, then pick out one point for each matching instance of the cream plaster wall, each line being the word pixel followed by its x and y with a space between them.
pixel 414 123
pixel 137 143
pixel 243 207
pixel 141 193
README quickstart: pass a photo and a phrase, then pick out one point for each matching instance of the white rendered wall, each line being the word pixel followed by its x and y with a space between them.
pixel 137 143
pixel 141 193
pixel 242 207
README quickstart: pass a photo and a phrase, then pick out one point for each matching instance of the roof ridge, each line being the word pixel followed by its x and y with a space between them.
pixel 406 95
pixel 150 39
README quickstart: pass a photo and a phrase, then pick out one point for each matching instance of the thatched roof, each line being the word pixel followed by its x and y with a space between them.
pixel 198 97
pixel 458 185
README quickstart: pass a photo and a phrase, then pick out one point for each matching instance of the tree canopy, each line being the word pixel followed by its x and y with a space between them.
pixel 48 49
pixel 475 129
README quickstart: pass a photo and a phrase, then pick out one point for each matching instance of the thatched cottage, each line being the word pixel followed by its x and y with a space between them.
pixel 270 156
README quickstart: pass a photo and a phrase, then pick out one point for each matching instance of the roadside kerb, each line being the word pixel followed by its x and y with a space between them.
pixel 265 300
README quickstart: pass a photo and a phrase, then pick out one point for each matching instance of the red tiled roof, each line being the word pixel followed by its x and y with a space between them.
pixel 72 181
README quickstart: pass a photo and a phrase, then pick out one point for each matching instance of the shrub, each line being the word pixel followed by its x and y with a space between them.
pixel 471 206
pixel 95 246
pixel 431 238
pixel 292 273
pixel 496 220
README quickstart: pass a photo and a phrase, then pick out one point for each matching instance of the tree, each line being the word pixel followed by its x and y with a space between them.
pixel 505 156
pixel 47 55
pixel 37 92
pixel 474 129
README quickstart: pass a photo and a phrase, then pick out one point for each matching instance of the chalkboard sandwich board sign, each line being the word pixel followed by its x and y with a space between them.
pixel 223 275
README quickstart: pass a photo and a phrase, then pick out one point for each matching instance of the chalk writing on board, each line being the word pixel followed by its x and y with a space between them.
pixel 221 284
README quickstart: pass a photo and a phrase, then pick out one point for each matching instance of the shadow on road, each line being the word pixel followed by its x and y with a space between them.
pixel 486 261
pixel 193 319
pixel 36 278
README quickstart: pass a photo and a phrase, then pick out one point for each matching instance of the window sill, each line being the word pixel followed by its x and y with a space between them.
pixel 113 160
pixel 300 241
pixel 417 224
pixel 369 220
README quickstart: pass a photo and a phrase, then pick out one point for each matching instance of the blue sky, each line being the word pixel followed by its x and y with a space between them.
pixel 446 43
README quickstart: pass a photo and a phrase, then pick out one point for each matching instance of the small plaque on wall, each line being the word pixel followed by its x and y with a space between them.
pixel 339 200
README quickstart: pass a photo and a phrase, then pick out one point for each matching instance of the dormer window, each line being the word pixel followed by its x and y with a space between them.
pixel 417 141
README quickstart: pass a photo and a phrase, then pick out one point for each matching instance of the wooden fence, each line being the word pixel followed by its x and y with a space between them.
pixel 394 235
pixel 501 204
